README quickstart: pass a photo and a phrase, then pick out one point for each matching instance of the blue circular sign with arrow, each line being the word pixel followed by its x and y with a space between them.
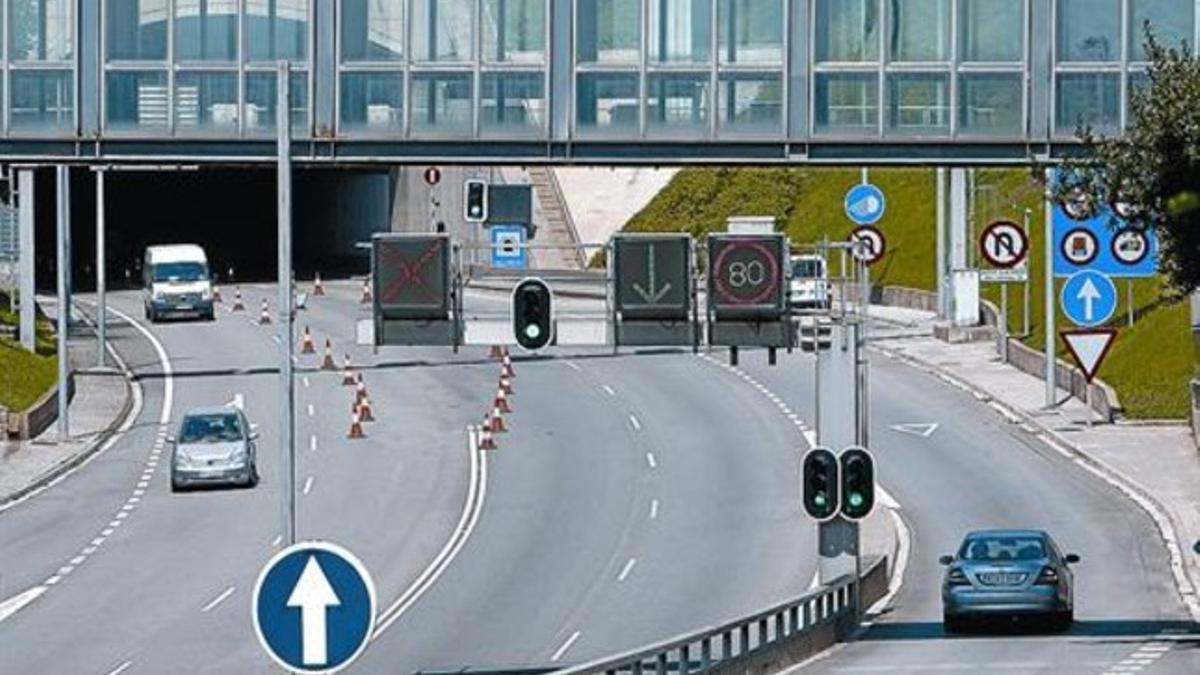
pixel 865 204
pixel 1089 298
pixel 314 607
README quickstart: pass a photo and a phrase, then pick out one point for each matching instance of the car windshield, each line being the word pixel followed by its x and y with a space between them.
pixel 1003 548
pixel 807 269
pixel 180 271
pixel 215 428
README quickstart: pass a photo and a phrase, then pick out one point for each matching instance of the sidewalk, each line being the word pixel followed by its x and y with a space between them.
pixel 1156 465
pixel 102 400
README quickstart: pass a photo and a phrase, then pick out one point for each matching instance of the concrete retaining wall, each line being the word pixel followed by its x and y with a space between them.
pixel 30 423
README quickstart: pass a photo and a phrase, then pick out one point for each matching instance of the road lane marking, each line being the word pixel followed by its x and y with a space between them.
pixel 218 600
pixel 121 668
pixel 305 381
pixel 312 443
pixel 608 390
pixel 573 366
pixel 565 646
pixel 650 460
pixel 654 509
pixel 277 540
pixel 633 420
pixel 15 603
pixel 311 410
pixel 626 569
pixel 308 484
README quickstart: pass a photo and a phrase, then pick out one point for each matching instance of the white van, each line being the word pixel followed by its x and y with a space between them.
pixel 808 287
pixel 176 282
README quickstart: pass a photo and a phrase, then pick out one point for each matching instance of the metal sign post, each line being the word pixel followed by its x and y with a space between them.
pixel 101 306
pixel 1051 366
pixel 25 223
pixel 63 220
pixel 287 432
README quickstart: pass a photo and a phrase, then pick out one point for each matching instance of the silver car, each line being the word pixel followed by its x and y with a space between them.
pixel 215 446
pixel 1011 574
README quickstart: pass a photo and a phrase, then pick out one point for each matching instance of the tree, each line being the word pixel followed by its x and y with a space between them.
pixel 1151 174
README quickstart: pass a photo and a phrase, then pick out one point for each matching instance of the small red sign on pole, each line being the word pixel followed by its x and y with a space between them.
pixel 433 176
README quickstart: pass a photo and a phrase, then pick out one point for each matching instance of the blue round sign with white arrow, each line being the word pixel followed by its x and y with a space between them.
pixel 1089 298
pixel 314 607
pixel 865 204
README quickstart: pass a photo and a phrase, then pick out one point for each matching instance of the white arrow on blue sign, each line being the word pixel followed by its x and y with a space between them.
pixel 1089 298
pixel 314 607
pixel 865 204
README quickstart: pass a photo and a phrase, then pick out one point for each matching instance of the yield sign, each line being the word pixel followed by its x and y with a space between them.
pixel 1089 347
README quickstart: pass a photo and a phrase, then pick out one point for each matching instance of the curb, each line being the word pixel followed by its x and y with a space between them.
pixel 1187 587
pixel 53 473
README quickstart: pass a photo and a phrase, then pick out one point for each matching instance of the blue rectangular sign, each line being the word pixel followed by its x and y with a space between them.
pixel 508 247
pixel 1103 243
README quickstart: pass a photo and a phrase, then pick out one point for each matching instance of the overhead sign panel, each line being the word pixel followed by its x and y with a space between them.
pixel 411 274
pixel 652 275
pixel 746 276
pixel 1089 348
pixel 1099 239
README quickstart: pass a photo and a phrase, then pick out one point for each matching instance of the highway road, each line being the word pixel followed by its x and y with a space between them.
pixel 635 497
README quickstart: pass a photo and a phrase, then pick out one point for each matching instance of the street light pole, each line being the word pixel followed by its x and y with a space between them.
pixel 101 307
pixel 287 454
pixel 62 217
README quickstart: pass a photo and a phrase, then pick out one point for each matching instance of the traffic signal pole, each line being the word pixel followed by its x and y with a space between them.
pixel 287 431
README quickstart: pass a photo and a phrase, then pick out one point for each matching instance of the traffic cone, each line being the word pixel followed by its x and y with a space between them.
pixel 497 422
pixel 216 294
pixel 506 385
pixel 360 391
pixel 356 430
pixel 366 291
pixel 500 402
pixel 264 316
pixel 495 352
pixel 327 361
pixel 238 305
pixel 506 370
pixel 306 343
pixel 347 372
pixel 318 287
pixel 486 440
pixel 364 410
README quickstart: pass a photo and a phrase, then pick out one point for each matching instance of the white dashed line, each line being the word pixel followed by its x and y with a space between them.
pixel 305 381
pixel 608 390
pixel 217 600
pixel 311 410
pixel 654 509
pixel 312 443
pixel 573 366
pixel 633 420
pixel 15 603
pixel 277 540
pixel 121 668
pixel 565 646
pixel 308 484
pixel 650 460
pixel 626 569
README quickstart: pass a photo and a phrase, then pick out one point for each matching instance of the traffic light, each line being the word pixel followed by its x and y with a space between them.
pixel 475 201
pixel 533 314
pixel 858 483
pixel 820 483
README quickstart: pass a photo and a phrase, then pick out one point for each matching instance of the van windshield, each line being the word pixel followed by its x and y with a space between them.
pixel 180 271
pixel 807 269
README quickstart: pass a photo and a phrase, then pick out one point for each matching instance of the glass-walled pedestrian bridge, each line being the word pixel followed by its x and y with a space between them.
pixel 586 81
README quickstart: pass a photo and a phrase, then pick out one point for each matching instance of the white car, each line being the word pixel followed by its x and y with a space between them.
pixel 808 285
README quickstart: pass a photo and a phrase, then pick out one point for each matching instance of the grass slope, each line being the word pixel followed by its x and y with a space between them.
pixel 24 377
pixel 1151 362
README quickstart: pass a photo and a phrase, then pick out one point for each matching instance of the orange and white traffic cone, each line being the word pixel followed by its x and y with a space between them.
pixel 327 360
pixel 347 372
pixel 506 370
pixel 364 410
pixel 500 402
pixel 497 422
pixel 486 440
pixel 506 386
pixel 495 352
pixel 360 391
pixel 306 343
pixel 318 287
pixel 366 291
pixel 238 305
pixel 356 429
pixel 264 316
pixel 216 294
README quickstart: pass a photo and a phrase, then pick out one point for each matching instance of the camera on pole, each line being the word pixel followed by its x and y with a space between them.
pixel 533 314
pixel 820 478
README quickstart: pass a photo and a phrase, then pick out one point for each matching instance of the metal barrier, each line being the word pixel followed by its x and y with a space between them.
pixel 828 610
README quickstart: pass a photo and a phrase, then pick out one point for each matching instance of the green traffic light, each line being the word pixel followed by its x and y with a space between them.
pixel 855 499
pixel 532 331
pixel 819 499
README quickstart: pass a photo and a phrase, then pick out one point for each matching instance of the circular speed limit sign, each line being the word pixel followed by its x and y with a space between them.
pixel 746 273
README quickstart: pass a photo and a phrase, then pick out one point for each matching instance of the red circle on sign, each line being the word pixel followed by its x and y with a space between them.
pixel 989 244
pixel 875 235
pixel 770 264
pixel 433 176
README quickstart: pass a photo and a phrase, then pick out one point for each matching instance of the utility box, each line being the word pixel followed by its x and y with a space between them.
pixel 750 225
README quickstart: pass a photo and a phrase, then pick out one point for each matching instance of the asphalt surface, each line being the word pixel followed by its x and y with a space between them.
pixel 635 497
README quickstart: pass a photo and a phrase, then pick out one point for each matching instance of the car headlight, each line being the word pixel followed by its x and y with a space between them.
pixel 182 458
pixel 238 456
pixel 159 295
pixel 957 578
pixel 206 294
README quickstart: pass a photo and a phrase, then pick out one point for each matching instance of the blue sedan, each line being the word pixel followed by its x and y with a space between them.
pixel 1010 574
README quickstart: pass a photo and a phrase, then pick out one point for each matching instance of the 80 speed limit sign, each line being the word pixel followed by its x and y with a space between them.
pixel 746 273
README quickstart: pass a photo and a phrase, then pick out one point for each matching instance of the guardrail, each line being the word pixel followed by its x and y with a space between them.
pixel 768 640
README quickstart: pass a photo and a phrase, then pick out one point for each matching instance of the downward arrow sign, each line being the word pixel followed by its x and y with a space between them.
pixel 651 296
pixel 1089 294
pixel 313 595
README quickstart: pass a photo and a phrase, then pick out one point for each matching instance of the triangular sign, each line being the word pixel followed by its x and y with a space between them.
pixel 923 430
pixel 1089 347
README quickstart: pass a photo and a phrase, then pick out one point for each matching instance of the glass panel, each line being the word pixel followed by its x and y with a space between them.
pixel 260 102
pixel 680 31
pixel 1139 81
pixel 921 30
pixel 991 103
pixel 608 31
pixel 513 102
pixel 42 100
pixel 136 30
pixel 441 30
pixel 1087 98
pixel 1089 30
pixel 205 101
pixel 372 102
pixel 990 30
pixel 919 103
pixel 678 103
pixel 441 103
pixel 514 30
pixel 136 100
pixel 276 29
pixel 1170 20
pixel 206 30
pixel 847 102
pixel 372 30
pixel 40 30
pixel 750 31
pixel 847 30
pixel 751 103
pixel 607 101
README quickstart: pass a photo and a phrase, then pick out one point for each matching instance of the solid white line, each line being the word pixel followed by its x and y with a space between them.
pixel 650 460
pixel 637 426
pixel 565 646
pixel 121 668
pixel 16 602
pixel 608 390
pixel 626 569
pixel 816 580
pixel 312 443
pixel 217 600
pixel 311 410
pixel 654 509
pixel 308 484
